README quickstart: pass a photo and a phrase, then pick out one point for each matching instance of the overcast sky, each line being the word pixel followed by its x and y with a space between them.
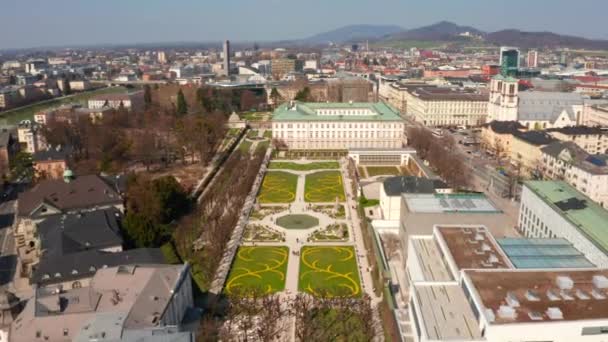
pixel 33 23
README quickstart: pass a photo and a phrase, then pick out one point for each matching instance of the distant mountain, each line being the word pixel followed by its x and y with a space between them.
pixel 443 31
pixel 543 39
pixel 354 33
pixel 446 31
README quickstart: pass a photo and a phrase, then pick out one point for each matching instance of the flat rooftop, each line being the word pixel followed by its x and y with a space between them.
pixel 473 248
pixel 430 260
pixel 449 203
pixel 527 296
pixel 543 253
pixel 446 313
pixel 584 214
pixel 336 111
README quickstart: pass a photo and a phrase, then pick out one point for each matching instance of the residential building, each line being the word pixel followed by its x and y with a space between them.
pixel 587 173
pixel 393 188
pixel 447 107
pixel 30 138
pixel 124 303
pixel 526 151
pixel 282 66
pixel 532 59
pixel 497 136
pixel 554 209
pixel 337 126
pixel 116 101
pixel 594 140
pixel 9 97
pixel 593 114
pixel 80 85
pixel 51 163
pixel 72 194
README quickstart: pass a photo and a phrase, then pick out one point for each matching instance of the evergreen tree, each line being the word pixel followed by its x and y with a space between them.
pixel 182 106
pixel 304 95
pixel 147 96
pixel 67 90
pixel 275 96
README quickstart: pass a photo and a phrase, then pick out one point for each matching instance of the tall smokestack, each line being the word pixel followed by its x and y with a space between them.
pixel 227 58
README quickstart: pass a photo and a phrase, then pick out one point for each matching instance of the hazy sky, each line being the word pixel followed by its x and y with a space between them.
pixel 31 23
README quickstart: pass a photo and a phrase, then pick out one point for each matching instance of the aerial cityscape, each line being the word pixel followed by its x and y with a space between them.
pixel 320 171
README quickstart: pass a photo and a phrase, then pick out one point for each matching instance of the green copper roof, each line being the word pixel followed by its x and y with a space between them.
pixel 591 220
pixel 307 111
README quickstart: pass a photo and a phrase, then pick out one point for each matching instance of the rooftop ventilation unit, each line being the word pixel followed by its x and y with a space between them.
pixel 600 281
pixel 507 312
pixel 564 282
pixel 554 313
pixel 535 315
pixel 490 315
pixel 512 300
pixel 597 294
pixel 552 296
pixel 565 295
pixel 580 294
pixel 485 247
pixel 493 258
pixel 532 296
pixel 479 237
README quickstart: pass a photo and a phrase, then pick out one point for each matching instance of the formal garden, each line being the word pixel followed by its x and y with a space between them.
pixel 297 221
pixel 324 186
pixel 261 233
pixel 332 233
pixel 278 187
pixel 329 271
pixel 335 211
pixel 258 269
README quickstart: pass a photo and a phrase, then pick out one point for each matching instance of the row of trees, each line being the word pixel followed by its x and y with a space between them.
pixel 257 317
pixel 442 155
pixel 217 215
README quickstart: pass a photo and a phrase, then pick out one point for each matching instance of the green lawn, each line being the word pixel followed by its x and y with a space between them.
pixel 258 269
pixel 262 146
pixel 297 221
pixel 14 116
pixel 254 116
pixel 252 134
pixel 329 271
pixel 278 187
pixel 245 146
pixel 268 134
pixel 304 167
pixel 324 186
pixel 382 171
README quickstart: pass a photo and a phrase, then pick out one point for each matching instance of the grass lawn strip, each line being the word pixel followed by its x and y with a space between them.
pixel 279 165
pixel 324 186
pixel 278 187
pixel 382 171
pixel 258 269
pixel 329 271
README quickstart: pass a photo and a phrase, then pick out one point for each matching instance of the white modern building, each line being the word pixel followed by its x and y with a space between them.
pixel 338 126
pixel 554 209
pixel 393 188
pixel 463 286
